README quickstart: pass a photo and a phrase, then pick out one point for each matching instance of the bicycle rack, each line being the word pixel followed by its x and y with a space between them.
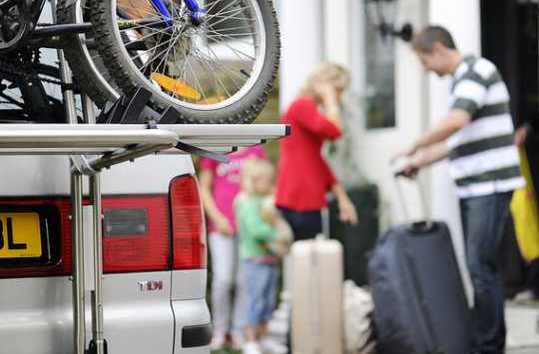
pixel 93 147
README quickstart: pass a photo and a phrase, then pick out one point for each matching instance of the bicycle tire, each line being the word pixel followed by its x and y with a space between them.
pixel 242 111
pixel 36 105
pixel 90 74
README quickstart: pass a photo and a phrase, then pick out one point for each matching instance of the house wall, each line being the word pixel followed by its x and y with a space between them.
pixel 334 30
pixel 302 44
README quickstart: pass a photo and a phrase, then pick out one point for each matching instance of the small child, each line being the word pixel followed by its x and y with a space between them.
pixel 259 265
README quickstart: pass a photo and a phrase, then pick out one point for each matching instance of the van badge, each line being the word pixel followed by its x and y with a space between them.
pixel 150 285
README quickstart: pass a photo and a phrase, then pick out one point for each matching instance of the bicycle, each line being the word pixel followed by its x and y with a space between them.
pixel 214 63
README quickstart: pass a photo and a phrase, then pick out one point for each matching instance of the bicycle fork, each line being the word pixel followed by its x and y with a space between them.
pixel 198 13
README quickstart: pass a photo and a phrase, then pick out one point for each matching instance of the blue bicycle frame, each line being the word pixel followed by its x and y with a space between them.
pixel 197 11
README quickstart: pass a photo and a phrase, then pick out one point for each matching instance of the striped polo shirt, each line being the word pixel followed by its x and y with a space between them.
pixel 483 158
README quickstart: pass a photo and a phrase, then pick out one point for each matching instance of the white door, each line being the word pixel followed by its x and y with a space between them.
pixel 389 103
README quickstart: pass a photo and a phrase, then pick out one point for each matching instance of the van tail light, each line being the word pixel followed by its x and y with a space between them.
pixel 135 234
pixel 188 228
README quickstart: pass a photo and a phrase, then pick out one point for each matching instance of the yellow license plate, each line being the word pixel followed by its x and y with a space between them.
pixel 20 235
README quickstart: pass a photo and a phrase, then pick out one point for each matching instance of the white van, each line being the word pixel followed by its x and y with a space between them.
pixel 154 251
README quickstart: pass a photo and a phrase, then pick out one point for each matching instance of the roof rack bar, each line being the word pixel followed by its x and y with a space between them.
pixel 115 158
pixel 83 138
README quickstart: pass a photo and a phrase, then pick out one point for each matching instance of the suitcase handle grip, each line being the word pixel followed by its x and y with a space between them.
pixel 422 227
pixel 428 223
pixel 400 173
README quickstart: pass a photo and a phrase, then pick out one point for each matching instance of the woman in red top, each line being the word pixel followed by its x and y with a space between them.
pixel 304 177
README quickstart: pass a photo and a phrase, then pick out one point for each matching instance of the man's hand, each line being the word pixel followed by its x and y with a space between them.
pixel 408 152
pixel 411 170
pixel 520 135
pixel 223 226
pixel 455 120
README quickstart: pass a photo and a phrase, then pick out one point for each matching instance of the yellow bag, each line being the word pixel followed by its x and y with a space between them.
pixel 526 214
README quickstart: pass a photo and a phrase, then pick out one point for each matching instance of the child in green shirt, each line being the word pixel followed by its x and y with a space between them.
pixel 259 265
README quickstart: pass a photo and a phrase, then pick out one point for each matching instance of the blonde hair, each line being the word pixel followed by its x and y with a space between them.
pixel 326 72
pixel 252 169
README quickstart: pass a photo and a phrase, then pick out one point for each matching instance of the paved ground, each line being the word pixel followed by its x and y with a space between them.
pixel 522 329
pixel 230 351
pixel 534 350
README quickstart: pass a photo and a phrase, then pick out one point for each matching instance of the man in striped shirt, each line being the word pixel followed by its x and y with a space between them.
pixel 477 137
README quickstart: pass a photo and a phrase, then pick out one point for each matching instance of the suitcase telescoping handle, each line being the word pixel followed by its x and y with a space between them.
pixel 423 226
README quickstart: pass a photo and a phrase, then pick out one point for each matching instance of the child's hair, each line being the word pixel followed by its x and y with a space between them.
pixel 251 170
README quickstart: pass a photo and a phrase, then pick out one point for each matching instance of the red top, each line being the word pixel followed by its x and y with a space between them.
pixel 304 177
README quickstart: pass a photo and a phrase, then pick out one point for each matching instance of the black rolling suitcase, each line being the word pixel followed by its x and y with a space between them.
pixel 420 304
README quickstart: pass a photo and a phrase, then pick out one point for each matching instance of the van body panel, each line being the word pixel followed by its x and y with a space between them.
pixel 140 316
pixel 187 312
pixel 37 315
pixel 196 279
pixel 49 175
pixel 34 176
pixel 150 174
pixel 138 320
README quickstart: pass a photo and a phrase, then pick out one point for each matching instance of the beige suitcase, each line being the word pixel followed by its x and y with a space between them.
pixel 317 281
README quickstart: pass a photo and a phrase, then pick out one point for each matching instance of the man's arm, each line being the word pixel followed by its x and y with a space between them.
pixel 428 156
pixel 433 154
pixel 455 120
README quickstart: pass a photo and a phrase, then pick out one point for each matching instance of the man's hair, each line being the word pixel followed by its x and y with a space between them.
pixel 424 40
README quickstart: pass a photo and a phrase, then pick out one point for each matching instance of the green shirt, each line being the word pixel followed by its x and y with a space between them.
pixel 253 230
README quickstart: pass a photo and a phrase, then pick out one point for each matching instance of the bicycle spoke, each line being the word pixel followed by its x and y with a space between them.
pixel 234 2
pixel 145 26
pixel 232 28
pixel 221 13
pixel 201 65
pixel 236 51
pixel 217 64
pixel 226 18
pixel 212 66
pixel 141 39
pixel 154 49
pixel 215 37
pixel 197 82
pixel 164 59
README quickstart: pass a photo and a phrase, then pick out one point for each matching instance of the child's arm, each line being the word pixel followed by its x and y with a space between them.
pixel 251 223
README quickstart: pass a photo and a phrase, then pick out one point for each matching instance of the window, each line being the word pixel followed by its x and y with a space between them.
pixel 379 78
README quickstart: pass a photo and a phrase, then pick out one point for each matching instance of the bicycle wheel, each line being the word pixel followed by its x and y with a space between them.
pixel 81 53
pixel 220 71
pixel 30 97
